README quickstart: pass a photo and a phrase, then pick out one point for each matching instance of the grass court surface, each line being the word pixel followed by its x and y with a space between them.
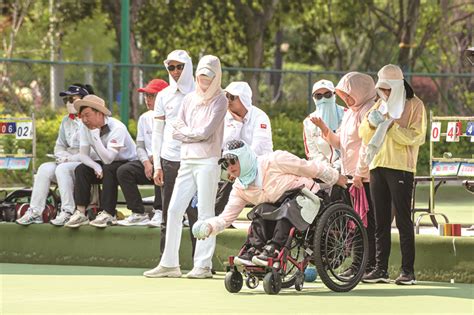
pixel 49 289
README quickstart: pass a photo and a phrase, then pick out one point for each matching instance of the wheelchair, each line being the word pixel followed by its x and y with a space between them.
pixel 335 241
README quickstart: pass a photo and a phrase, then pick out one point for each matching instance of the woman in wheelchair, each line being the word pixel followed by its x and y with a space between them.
pixel 283 187
pixel 263 180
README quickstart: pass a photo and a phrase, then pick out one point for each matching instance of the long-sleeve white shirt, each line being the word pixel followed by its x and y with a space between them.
pixel 255 130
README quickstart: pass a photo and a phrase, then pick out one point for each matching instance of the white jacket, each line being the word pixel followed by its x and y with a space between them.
pixel 255 129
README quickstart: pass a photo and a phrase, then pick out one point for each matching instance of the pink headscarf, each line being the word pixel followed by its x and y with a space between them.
pixel 360 86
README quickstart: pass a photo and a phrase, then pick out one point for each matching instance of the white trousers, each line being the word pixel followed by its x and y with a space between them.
pixel 63 175
pixel 191 178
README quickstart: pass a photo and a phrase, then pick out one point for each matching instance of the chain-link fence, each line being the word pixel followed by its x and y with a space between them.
pixel 35 84
pixel 28 86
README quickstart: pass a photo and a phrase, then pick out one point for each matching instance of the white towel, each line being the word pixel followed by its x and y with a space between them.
pixel 377 139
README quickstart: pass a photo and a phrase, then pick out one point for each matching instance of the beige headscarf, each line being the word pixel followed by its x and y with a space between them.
pixel 360 86
pixel 391 77
pixel 210 66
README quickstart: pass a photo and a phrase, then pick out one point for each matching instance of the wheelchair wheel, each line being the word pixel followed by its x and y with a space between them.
pixel 272 283
pixel 251 282
pixel 340 243
pixel 297 253
pixel 233 281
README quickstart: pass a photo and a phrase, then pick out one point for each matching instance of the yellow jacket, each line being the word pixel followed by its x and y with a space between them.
pixel 400 147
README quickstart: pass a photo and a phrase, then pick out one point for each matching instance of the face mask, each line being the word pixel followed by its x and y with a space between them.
pixel 70 108
pixel 324 102
pixel 204 82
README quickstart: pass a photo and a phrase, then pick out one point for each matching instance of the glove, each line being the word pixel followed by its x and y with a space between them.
pixel 375 118
pixel 201 230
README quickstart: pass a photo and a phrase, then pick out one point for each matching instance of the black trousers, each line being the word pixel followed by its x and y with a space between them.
pixel 264 232
pixel 129 176
pixel 85 177
pixel 222 197
pixel 390 186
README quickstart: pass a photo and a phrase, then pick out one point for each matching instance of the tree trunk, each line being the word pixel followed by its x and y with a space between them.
pixel 408 32
pixel 255 23
pixel 135 58
pixel 443 67
pixel 275 79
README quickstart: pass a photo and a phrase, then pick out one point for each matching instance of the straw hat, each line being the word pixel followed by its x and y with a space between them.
pixel 92 101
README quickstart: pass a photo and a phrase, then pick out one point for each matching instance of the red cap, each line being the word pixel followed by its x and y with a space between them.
pixel 154 86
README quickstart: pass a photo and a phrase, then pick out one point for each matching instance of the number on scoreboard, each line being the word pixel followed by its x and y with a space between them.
pixel 24 130
pixel 452 133
pixel 435 131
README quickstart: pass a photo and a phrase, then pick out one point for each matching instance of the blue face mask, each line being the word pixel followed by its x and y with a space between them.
pixel 327 109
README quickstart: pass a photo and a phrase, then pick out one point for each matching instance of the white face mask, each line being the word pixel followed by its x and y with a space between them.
pixel 204 82
pixel 70 108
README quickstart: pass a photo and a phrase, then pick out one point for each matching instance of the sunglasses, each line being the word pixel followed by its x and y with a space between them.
pixel 319 96
pixel 228 162
pixel 177 67
pixel 230 97
pixel 69 99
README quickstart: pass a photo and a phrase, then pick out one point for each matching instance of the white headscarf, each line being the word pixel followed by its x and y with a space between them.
pixel 186 81
pixel 391 77
pixel 209 65
pixel 243 91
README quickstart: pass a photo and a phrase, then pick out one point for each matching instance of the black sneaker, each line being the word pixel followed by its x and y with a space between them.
pixel 246 258
pixel 376 276
pixel 269 251
pixel 406 278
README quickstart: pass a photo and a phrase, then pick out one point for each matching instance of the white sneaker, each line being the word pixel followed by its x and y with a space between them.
pixel 199 273
pixel 61 218
pixel 30 217
pixel 135 219
pixel 157 219
pixel 76 220
pixel 104 219
pixel 163 272
pixel 185 220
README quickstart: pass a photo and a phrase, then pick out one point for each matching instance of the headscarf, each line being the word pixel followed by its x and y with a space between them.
pixel 208 65
pixel 185 82
pixel 248 163
pixel 391 77
pixel 360 87
pixel 326 108
pixel 243 91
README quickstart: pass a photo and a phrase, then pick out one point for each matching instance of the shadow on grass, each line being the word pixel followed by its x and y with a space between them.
pixel 458 290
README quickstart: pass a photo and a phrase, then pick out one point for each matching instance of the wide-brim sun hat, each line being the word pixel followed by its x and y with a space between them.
pixel 92 101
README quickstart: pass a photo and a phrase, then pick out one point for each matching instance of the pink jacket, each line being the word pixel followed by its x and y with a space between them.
pixel 280 171
pixel 347 140
pixel 200 126
pixel 361 88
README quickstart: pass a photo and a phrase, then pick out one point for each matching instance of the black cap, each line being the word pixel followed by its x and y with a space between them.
pixel 74 90
pixel 231 145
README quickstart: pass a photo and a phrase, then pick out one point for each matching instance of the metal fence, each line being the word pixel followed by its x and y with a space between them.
pixel 35 84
